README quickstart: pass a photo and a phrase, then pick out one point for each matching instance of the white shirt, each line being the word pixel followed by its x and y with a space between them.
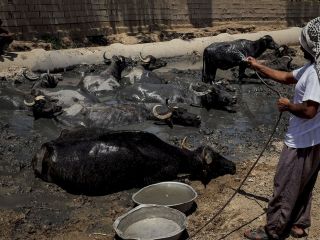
pixel 302 132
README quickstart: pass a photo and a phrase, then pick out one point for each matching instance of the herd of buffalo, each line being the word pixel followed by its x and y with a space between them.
pixel 90 158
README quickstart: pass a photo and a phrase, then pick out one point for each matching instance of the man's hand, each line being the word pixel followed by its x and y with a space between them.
pixel 283 104
pixel 252 62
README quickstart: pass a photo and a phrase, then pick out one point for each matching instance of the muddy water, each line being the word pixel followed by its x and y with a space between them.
pixel 33 209
pixel 253 110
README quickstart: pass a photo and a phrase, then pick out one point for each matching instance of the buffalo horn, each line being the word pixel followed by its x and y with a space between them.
pixel 104 56
pixel 184 144
pixel 145 60
pixel 28 104
pixel 29 78
pixel 40 97
pixel 160 116
pixel 199 93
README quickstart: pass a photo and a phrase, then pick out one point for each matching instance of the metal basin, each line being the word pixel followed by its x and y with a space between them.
pixel 171 194
pixel 148 222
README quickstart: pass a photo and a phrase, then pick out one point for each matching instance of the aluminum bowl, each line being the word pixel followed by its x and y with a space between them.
pixel 151 222
pixel 170 194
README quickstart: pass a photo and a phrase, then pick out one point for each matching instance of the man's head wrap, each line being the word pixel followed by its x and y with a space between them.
pixel 310 41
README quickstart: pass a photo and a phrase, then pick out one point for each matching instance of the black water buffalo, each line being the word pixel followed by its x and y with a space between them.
pixel 225 55
pixel 44 107
pixel 116 65
pixel 281 63
pixel 208 96
pixel 44 80
pixel 98 161
pixel 122 71
pixel 121 114
pixel 151 63
pixel 5 38
pixel 108 79
pixel 176 116
pixel 113 115
pixel 81 110
pixel 137 74
pixel 129 71
pixel 281 59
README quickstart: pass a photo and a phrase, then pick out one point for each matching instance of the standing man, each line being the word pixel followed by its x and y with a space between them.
pixel 299 163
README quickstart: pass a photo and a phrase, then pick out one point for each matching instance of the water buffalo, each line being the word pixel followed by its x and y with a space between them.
pixel 216 96
pixel 176 116
pixel 137 74
pixel 129 71
pixel 44 107
pixel 151 63
pixel 44 80
pixel 107 80
pixel 112 115
pixel 281 59
pixel 79 109
pixel 5 38
pixel 121 71
pixel 213 96
pixel 225 55
pixel 120 114
pixel 97 161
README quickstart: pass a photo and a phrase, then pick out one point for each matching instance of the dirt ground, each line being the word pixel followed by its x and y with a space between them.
pixel 33 209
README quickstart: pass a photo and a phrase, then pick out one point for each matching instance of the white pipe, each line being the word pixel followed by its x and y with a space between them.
pixel 39 59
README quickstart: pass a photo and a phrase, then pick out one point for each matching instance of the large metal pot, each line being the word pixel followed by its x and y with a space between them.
pixel 170 194
pixel 151 222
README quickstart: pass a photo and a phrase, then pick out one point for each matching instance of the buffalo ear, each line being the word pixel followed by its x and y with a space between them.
pixel 207 157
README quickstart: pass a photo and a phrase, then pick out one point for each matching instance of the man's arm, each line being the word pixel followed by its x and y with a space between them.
pixel 276 75
pixel 307 109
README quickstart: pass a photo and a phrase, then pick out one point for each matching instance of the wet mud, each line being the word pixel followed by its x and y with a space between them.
pixel 33 209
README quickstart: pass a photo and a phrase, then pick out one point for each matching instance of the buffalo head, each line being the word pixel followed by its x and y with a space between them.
pixel 215 165
pixel 212 164
pixel 284 50
pixel 116 65
pixel 176 115
pixel 43 107
pixel 269 42
pixel 214 96
pixel 151 63
pixel 45 80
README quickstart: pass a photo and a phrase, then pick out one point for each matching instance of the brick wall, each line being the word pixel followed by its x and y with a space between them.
pixel 30 18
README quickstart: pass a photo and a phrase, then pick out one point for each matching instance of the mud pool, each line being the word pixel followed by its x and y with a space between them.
pixel 35 209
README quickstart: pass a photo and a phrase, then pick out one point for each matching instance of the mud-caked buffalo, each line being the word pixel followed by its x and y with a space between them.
pixel 122 71
pixel 225 55
pixel 151 63
pixel 98 161
pixel 214 96
pixel 44 80
pixel 44 107
pixel 173 115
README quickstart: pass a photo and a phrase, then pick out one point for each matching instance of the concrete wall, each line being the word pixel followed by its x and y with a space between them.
pixel 30 18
